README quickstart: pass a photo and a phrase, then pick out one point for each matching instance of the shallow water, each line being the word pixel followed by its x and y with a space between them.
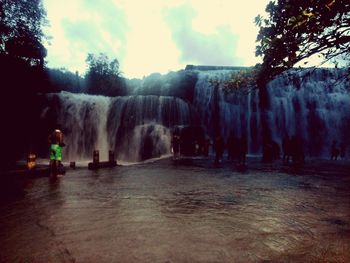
pixel 189 211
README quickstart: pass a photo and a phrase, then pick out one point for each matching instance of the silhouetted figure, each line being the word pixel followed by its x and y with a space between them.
pixel 286 147
pixel 242 150
pixel 176 143
pixel 297 150
pixel 232 148
pixel 342 151
pixel 196 148
pixel 219 148
pixel 271 151
pixel 267 152
pixel 275 150
pixel 146 151
pixel 229 147
pixel 206 147
pixel 334 150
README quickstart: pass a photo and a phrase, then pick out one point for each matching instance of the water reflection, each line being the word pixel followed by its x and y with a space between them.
pixel 197 201
pixel 158 212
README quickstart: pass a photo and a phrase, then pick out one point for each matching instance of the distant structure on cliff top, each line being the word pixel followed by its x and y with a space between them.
pixel 207 67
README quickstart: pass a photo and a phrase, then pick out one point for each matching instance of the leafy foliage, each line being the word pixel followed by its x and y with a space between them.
pixel 298 29
pixel 294 31
pixel 103 76
pixel 63 79
pixel 21 23
pixel 243 81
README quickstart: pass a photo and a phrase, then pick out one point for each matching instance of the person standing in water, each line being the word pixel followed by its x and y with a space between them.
pixel 56 144
pixel 219 149
pixel 334 150
pixel 176 143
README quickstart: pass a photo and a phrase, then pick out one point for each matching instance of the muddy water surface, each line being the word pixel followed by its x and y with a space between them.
pixel 183 212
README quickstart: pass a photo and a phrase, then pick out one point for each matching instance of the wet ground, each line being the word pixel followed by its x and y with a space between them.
pixel 188 211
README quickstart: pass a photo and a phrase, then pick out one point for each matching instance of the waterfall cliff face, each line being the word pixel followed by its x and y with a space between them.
pixel 135 127
pixel 238 111
pixel 311 104
pixel 83 119
pixel 139 127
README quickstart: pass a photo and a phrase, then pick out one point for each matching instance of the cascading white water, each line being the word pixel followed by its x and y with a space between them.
pixel 313 104
pixel 204 101
pixel 83 118
pixel 121 124
pixel 238 110
pixel 144 142
pixel 135 119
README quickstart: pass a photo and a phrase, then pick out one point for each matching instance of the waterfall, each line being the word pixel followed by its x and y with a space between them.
pixel 313 104
pixel 135 120
pixel 238 110
pixel 83 119
pixel 130 125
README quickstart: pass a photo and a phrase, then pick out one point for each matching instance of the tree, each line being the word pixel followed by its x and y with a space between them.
pixel 63 79
pixel 293 31
pixel 21 38
pixel 298 29
pixel 21 23
pixel 103 76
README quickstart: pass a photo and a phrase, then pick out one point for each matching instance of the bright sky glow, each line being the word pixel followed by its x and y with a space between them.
pixel 154 35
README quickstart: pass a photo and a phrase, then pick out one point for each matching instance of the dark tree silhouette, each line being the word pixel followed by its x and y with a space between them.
pixel 64 80
pixel 22 75
pixel 21 34
pixel 293 31
pixel 103 76
pixel 297 29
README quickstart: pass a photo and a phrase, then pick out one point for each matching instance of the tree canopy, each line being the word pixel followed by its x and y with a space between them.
pixel 21 23
pixel 293 31
pixel 297 29
pixel 103 76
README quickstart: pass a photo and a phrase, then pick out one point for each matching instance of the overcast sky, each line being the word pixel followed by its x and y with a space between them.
pixel 153 35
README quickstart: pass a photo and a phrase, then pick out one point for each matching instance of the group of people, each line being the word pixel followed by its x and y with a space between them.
pixel 237 148
pixel 293 149
pixel 189 141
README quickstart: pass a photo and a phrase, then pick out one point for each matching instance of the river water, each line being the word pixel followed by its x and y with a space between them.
pixel 187 211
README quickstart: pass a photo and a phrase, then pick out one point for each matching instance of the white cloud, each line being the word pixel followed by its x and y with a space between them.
pixel 141 36
pixel 149 44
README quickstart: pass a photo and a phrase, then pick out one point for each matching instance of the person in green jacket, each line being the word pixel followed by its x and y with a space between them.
pixel 56 143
